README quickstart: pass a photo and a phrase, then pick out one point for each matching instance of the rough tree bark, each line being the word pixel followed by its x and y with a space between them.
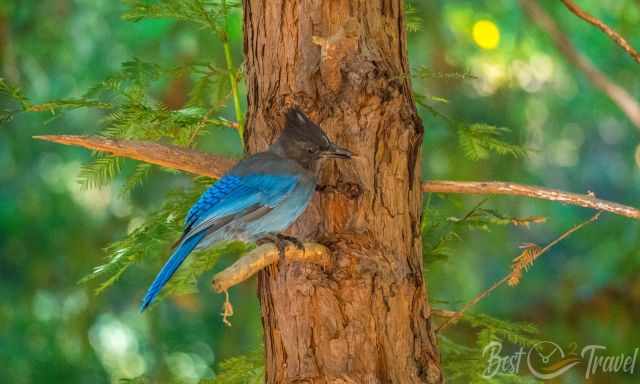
pixel 366 320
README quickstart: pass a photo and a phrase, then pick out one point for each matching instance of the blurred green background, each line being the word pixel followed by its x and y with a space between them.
pixel 52 231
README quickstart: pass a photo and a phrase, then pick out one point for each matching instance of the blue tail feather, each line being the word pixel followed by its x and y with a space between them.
pixel 170 267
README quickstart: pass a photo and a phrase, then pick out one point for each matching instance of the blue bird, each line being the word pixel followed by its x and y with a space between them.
pixel 258 198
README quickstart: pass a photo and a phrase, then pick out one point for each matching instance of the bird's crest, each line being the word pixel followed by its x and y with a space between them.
pixel 299 126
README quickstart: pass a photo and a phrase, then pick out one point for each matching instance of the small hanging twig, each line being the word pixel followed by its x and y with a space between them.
pixel 227 309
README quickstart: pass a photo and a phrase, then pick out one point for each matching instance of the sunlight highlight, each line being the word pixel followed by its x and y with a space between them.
pixel 486 34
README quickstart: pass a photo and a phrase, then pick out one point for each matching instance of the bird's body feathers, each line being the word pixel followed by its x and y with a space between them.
pixel 260 196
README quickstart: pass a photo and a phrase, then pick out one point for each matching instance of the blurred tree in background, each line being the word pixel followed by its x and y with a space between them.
pixel 473 62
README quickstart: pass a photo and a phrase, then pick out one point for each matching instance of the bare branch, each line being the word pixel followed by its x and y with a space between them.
pixel 613 35
pixel 453 318
pixel 617 94
pixel 168 156
pixel 265 255
pixel 444 313
pixel 513 189
pixel 205 164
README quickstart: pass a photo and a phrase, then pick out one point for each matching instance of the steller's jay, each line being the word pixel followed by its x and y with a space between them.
pixel 258 198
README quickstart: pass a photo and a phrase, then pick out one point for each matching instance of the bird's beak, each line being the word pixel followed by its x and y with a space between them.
pixel 336 152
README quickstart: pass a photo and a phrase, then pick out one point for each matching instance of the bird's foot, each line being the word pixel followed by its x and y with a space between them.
pixel 293 240
pixel 280 241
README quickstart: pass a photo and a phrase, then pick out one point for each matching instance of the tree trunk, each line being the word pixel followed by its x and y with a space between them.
pixel 365 320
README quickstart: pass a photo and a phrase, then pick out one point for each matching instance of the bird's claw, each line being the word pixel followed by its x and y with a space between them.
pixel 280 241
pixel 293 240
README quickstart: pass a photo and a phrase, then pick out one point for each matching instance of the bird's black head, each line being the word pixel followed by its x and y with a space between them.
pixel 304 141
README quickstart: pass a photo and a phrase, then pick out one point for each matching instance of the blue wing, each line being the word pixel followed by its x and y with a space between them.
pixel 235 195
pixel 232 197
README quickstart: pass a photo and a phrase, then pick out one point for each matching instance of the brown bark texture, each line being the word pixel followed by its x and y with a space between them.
pixel 365 320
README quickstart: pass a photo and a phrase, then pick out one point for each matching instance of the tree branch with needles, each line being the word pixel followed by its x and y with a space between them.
pixel 204 164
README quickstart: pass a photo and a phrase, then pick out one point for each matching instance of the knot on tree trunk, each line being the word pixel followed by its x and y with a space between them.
pixel 333 51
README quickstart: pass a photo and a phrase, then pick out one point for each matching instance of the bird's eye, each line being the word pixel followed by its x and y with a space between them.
pixel 311 150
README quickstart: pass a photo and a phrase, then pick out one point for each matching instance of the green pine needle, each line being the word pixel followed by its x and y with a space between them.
pixel 478 141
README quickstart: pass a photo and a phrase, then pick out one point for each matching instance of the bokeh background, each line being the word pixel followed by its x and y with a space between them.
pixel 52 231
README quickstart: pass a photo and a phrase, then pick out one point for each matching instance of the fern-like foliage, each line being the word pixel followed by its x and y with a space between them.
pixel 521 334
pixel 483 218
pixel 14 93
pixel 206 14
pixel 135 115
pixel 131 81
pixel 246 369
pixel 441 232
pixel 468 364
pixel 24 104
pixel 210 88
pixel 100 171
pixel 137 177
pixel 438 237
pixel 426 73
pixel 149 241
pixel 478 141
pixel 152 240
pixel 412 21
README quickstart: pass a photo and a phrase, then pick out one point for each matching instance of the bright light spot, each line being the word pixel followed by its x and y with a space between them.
pixel 45 306
pixel 116 338
pixel 611 130
pixel 492 75
pixel 564 153
pixel 486 34
pixel 116 344
pixel 95 201
pixel 74 303
pixel 536 113
pixel 188 368
pixel 134 223
pixel 544 67
pixel 534 74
